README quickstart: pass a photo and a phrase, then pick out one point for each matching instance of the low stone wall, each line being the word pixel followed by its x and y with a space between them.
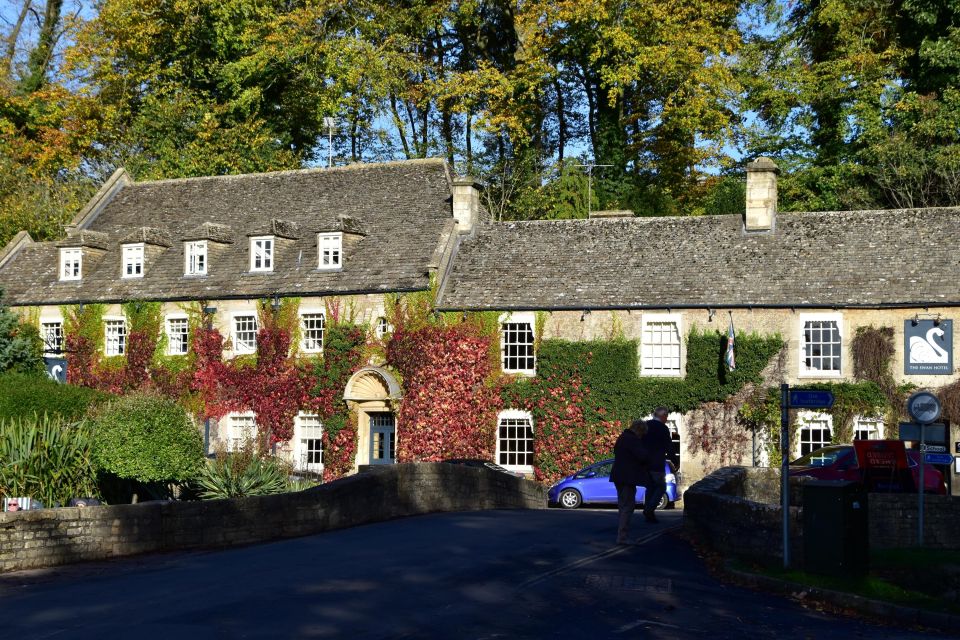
pixel 736 511
pixel 894 521
pixel 48 537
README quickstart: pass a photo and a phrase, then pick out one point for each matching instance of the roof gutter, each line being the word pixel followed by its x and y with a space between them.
pixel 719 305
pixel 297 294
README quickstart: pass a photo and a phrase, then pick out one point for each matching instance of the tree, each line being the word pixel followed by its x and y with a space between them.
pixel 20 344
pixel 147 438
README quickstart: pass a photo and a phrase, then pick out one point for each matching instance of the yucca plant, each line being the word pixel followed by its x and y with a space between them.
pixel 240 474
pixel 47 458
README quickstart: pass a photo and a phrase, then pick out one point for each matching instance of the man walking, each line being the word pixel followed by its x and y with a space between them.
pixel 657 443
pixel 630 466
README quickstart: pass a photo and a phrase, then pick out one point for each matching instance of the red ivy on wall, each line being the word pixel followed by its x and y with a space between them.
pixel 450 402
pixel 564 439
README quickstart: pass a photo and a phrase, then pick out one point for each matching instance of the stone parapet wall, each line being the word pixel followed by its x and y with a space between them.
pixel 731 510
pixel 49 537
pixel 736 511
pixel 894 521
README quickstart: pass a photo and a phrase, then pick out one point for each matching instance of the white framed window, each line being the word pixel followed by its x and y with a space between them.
pixel 115 337
pixel 382 328
pixel 195 258
pixel 241 429
pixel 868 428
pixel 261 253
pixel 71 263
pixel 821 344
pixel 661 345
pixel 178 335
pixel 132 261
pixel 517 343
pixel 815 432
pixel 515 441
pixel 308 443
pixel 52 334
pixel 330 250
pixel 311 332
pixel 245 333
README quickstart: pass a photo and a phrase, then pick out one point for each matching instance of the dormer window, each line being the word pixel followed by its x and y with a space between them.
pixel 330 247
pixel 195 258
pixel 261 253
pixel 71 261
pixel 132 260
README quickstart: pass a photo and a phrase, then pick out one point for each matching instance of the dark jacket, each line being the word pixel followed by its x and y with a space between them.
pixel 630 463
pixel 658 443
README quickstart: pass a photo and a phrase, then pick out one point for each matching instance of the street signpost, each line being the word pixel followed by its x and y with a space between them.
pixel 810 399
pixel 793 399
pixel 924 407
pixel 938 458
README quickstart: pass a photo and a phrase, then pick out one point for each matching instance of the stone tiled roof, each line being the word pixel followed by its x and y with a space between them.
pixel 404 207
pixel 854 258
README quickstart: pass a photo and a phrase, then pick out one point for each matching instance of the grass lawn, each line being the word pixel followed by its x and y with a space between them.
pixel 923 578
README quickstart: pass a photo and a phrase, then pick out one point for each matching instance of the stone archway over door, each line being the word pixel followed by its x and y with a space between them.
pixel 371 392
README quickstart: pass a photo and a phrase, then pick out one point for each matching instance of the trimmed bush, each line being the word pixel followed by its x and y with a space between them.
pixel 25 395
pixel 47 458
pixel 147 438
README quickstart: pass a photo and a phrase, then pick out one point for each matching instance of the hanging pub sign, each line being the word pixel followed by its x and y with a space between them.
pixel 927 347
pixel 56 368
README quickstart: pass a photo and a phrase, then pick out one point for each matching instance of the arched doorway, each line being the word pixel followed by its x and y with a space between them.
pixel 371 392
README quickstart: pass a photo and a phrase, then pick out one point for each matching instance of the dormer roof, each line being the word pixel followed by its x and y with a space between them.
pixel 210 231
pixel 277 228
pixel 148 235
pixel 85 238
pixel 344 224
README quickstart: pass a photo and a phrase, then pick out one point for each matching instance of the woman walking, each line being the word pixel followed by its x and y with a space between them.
pixel 631 467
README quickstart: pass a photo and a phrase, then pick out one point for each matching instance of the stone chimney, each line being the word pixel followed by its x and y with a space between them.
pixel 761 214
pixel 466 203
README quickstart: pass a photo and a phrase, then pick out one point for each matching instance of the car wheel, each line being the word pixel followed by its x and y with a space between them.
pixel 569 499
pixel 664 502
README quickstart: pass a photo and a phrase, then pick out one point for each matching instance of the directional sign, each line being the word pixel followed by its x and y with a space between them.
pixel 810 399
pixel 938 458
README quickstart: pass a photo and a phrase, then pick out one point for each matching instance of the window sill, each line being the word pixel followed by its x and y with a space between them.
pixel 520 372
pixel 825 375
pixel 661 374
pixel 328 269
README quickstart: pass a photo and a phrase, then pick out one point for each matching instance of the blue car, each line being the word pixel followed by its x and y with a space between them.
pixel 591 485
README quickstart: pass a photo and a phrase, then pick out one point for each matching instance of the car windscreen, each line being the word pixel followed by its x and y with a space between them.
pixel 822 457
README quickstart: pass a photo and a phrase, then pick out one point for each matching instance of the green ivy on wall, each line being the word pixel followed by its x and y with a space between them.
pixel 585 392
pixel 851 399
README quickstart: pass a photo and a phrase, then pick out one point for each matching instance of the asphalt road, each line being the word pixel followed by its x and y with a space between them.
pixel 482 575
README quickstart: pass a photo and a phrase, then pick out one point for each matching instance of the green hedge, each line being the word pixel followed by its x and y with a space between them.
pixel 23 395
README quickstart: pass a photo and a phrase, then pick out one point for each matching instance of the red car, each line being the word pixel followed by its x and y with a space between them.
pixel 839 462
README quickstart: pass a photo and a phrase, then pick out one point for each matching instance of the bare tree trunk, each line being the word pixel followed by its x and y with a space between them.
pixel 11 44
pixel 398 123
pixel 39 62
pixel 561 120
pixel 469 144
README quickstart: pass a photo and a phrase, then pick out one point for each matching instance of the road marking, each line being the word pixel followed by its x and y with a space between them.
pixel 653 535
pixel 634 625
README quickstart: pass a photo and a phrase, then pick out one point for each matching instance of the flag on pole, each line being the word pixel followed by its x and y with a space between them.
pixel 730 358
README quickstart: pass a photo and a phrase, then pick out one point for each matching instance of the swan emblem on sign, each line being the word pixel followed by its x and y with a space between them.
pixel 927 351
